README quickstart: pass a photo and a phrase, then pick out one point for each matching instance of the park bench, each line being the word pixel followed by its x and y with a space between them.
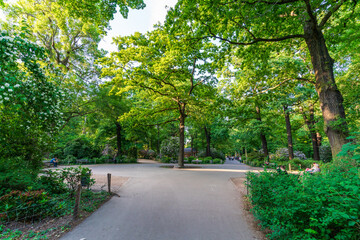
pixel 80 161
pixel 47 163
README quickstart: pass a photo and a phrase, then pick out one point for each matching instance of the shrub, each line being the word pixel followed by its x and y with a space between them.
pixel 325 153
pixel 22 206
pixel 282 154
pixel 81 148
pixel 170 147
pixel 15 175
pixel 206 160
pixel 70 159
pixel 319 206
pixel 165 160
pixel 217 161
pixel 213 153
pixel 191 158
pixel 73 176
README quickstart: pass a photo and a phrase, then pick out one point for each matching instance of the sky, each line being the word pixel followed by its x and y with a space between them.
pixel 137 21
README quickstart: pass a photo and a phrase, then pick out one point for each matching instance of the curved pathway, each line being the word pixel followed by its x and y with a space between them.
pixel 170 204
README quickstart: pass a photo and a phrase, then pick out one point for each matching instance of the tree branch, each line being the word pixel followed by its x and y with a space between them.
pixel 331 11
pixel 192 77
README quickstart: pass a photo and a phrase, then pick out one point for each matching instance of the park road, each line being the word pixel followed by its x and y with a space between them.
pixel 169 204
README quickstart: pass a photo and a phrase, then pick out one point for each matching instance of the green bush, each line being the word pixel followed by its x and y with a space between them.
pixel 206 160
pixel 70 159
pixel 15 175
pixel 325 153
pixel 22 206
pixel 165 160
pixel 191 158
pixel 217 161
pixel 318 206
pixel 81 148
pixel 170 147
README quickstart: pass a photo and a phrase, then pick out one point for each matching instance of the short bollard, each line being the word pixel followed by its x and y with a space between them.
pixel 77 202
pixel 109 182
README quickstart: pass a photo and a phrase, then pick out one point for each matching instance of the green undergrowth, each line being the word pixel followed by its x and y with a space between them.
pixel 318 206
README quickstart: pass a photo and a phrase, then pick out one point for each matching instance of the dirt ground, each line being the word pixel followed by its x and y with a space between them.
pixel 241 187
pixel 102 185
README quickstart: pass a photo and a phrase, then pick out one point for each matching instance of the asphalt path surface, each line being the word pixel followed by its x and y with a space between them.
pixel 158 203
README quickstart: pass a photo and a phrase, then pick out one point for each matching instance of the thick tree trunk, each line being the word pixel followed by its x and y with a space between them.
pixel 289 134
pixel 331 100
pixel 262 135
pixel 182 140
pixel 208 141
pixel 118 139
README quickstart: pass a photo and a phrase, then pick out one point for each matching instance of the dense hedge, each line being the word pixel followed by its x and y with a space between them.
pixel 319 206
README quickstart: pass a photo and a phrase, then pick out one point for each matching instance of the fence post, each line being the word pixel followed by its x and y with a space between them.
pixel 109 182
pixel 77 202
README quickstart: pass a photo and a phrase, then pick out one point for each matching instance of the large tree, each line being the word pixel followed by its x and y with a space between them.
pixel 248 22
pixel 169 75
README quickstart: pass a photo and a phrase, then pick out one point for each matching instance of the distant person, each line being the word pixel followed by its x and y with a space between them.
pixel 54 161
pixel 314 169
pixel 281 170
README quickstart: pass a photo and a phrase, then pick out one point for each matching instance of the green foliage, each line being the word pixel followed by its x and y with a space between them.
pixel 81 148
pixel 352 148
pixel 70 159
pixel 319 206
pixel 72 176
pixel 170 147
pixel 30 101
pixel 325 153
pixel 15 175
pixel 18 205
pixel 217 161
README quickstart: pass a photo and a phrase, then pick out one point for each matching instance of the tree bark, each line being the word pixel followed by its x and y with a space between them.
pixel 158 140
pixel 262 135
pixel 118 139
pixel 310 122
pixel 208 141
pixel 181 134
pixel 331 100
pixel 289 134
pixel 192 146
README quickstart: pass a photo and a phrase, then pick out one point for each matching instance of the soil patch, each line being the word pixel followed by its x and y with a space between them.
pixel 250 219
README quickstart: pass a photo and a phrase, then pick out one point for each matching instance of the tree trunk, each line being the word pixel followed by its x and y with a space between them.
pixel 262 136
pixel 118 139
pixel 208 141
pixel 192 146
pixel 289 134
pixel 181 134
pixel 158 140
pixel 310 122
pixel 331 100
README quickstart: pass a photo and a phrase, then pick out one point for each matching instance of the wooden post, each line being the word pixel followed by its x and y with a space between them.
pixel 109 182
pixel 289 167
pixel 77 202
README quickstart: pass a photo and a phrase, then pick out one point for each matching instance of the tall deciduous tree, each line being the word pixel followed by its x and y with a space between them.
pixel 167 72
pixel 247 22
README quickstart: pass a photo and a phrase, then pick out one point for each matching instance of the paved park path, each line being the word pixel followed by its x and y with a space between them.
pixel 170 204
